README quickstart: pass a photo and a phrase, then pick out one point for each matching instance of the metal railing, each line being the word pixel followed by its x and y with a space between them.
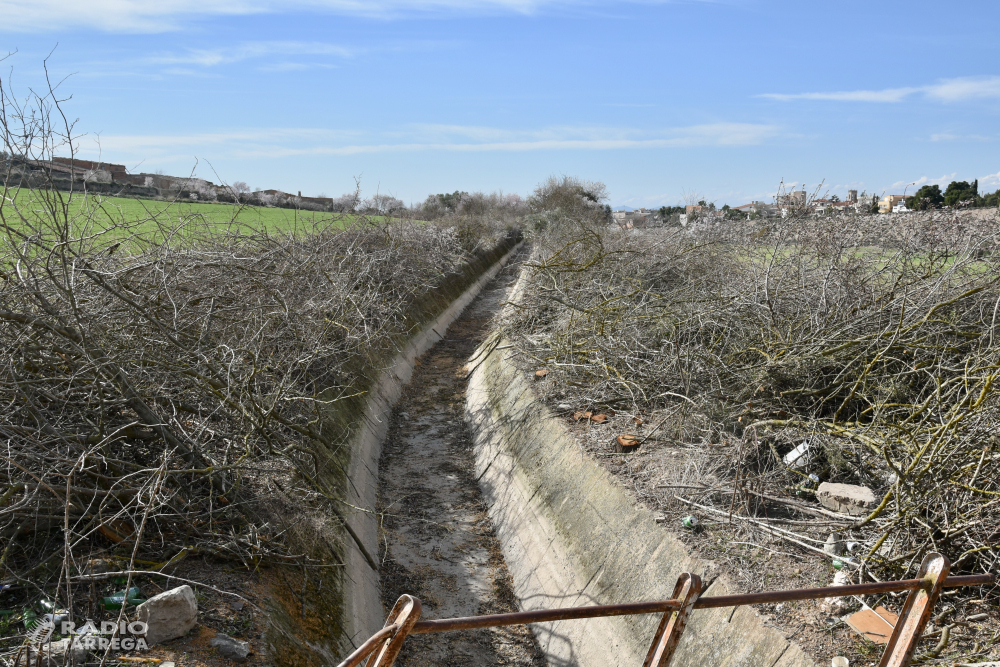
pixel 404 619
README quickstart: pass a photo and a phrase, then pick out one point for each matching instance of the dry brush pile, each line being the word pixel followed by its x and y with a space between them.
pixel 146 385
pixel 873 339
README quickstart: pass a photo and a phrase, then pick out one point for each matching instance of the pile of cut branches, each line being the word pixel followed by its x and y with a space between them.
pixel 873 339
pixel 153 371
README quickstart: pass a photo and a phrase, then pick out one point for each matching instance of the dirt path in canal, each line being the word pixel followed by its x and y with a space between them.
pixel 437 541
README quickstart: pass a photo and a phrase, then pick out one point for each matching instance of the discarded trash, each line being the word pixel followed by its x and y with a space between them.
pixel 689 521
pixel 541 373
pixel 814 478
pixel 838 564
pixel 627 443
pixel 131 597
pixel 841 661
pixel 851 546
pixel 875 624
pixel 799 456
pixel 56 618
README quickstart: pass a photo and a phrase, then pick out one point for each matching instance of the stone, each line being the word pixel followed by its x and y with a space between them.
pixel 846 498
pixel 54 654
pixel 169 615
pixel 228 647
pixel 836 606
pixel 835 545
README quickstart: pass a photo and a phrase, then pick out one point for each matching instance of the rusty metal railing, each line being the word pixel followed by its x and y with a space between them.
pixel 383 647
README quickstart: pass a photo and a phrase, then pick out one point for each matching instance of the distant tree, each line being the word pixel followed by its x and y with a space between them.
pixel 573 196
pixel 961 192
pixel 835 198
pixel 928 196
pixel 346 203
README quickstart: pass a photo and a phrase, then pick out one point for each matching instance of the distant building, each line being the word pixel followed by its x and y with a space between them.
pixel 852 196
pixel 886 204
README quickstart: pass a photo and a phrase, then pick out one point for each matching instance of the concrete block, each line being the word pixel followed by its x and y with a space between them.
pixel 846 498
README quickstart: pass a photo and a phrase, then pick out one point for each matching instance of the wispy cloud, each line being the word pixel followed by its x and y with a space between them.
pixel 948 90
pixel 286 142
pixel 923 180
pixel 248 51
pixel 143 16
pixel 989 180
pixel 948 136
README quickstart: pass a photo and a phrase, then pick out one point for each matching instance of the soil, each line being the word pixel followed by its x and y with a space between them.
pixel 437 540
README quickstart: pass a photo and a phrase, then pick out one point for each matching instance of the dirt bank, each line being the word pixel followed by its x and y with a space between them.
pixel 437 541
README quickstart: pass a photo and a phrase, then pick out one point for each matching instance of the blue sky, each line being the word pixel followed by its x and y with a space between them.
pixel 662 101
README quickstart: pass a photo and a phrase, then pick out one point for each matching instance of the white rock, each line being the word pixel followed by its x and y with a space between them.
pixel 836 606
pixel 170 614
pixel 846 498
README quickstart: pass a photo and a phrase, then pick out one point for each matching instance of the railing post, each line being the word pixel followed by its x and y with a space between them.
pixel 668 634
pixel 916 612
pixel 405 613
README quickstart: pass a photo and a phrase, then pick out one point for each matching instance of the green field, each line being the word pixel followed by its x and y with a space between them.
pixel 153 220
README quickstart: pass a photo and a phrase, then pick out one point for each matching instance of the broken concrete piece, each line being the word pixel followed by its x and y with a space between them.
pixel 169 615
pixel 836 606
pixel 846 498
pixel 874 624
pixel 835 545
pixel 229 647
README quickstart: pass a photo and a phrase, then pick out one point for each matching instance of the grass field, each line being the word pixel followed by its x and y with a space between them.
pixel 152 219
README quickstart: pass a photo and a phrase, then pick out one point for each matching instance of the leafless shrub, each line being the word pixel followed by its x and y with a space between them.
pixel 871 336
pixel 154 370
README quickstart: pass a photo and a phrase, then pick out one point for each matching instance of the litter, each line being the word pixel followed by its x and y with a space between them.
pixel 874 624
pixel 131 597
pixel 798 457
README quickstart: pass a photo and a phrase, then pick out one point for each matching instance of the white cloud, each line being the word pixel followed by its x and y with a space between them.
pixel 247 51
pixel 991 179
pixel 164 15
pixel 965 88
pixel 285 142
pixel 947 136
pixel 923 180
pixel 886 95
pixel 948 90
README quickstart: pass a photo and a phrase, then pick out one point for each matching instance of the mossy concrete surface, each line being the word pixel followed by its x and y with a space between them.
pixel 572 536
